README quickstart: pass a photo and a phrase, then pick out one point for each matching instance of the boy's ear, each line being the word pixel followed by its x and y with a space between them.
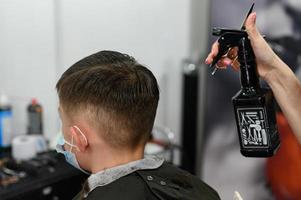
pixel 80 140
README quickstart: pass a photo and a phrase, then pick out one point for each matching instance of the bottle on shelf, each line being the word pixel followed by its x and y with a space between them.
pixel 34 114
pixel 5 122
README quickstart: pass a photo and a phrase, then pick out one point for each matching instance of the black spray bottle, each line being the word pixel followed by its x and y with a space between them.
pixel 253 105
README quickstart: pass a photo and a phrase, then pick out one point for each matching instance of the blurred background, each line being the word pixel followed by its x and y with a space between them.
pixel 41 39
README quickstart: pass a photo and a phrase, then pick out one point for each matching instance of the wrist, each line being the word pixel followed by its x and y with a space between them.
pixel 277 68
pixel 279 74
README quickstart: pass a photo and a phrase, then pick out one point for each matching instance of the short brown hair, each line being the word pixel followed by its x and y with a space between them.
pixel 121 94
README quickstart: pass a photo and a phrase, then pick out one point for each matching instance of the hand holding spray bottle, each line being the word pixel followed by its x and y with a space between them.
pixel 253 105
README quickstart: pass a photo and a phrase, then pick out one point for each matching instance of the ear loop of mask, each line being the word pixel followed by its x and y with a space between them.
pixel 71 144
pixel 76 127
pixel 72 139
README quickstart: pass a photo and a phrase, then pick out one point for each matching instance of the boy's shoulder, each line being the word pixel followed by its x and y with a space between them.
pixel 165 182
pixel 176 183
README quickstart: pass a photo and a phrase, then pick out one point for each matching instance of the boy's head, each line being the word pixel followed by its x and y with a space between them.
pixel 114 94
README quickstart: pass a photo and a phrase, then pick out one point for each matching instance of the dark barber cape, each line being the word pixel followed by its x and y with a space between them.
pixel 146 179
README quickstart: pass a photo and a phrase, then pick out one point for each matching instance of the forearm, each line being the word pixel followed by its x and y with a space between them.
pixel 287 91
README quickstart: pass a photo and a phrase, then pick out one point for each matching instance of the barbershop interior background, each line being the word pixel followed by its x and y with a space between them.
pixel 39 40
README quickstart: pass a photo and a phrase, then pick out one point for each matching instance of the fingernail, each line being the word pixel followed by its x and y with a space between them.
pixel 206 61
pixel 227 62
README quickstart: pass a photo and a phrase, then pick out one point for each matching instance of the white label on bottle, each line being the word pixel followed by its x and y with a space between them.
pixel 253 127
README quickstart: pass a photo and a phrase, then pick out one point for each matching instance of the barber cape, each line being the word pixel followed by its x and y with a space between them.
pixel 150 178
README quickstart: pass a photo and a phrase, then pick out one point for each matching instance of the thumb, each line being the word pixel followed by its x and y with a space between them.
pixel 251 27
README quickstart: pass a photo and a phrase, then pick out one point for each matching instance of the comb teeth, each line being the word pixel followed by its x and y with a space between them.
pixel 243 27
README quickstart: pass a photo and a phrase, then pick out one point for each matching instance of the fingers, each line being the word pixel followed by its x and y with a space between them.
pixel 213 53
pixel 232 53
pixel 235 64
pixel 225 62
pixel 230 59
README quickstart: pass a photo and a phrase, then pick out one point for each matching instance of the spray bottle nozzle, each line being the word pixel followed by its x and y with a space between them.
pixel 229 38
pixel 216 31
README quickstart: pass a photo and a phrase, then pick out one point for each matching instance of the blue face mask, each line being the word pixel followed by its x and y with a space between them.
pixel 69 156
